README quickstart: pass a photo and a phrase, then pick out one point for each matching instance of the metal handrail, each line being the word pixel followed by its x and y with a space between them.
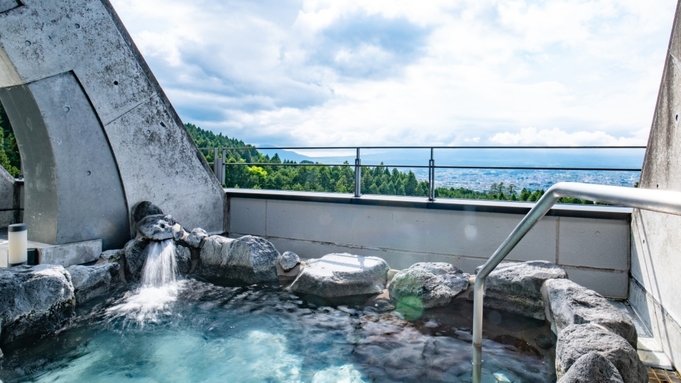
pixel 220 164
pixel 662 201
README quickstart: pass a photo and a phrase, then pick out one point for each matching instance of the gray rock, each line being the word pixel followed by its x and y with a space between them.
pixel 117 257
pixel 592 368
pixel 516 287
pixel 183 259
pixel 568 303
pixel 435 284
pixel 135 256
pixel 110 256
pixel 342 275
pixel 195 237
pixel 248 259
pixel 35 300
pixel 179 233
pixel 143 209
pixel 156 227
pixel 579 339
pixel 92 281
pixel 288 260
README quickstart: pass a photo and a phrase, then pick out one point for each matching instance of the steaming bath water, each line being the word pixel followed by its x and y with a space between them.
pixel 191 331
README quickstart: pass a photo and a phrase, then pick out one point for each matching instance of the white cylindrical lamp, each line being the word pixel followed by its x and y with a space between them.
pixel 17 235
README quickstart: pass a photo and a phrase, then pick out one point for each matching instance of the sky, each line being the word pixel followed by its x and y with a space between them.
pixel 397 72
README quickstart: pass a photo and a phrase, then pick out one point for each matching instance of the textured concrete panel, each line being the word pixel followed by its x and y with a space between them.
pixel 656 239
pixel 76 253
pixel 611 284
pixel 596 243
pixel 153 156
pixel 159 162
pixel 249 216
pixel 445 232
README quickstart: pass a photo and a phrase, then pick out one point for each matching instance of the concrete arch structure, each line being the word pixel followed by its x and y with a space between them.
pixel 96 133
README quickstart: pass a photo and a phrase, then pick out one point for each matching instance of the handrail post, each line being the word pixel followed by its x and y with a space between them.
pixel 223 179
pixel 358 175
pixel 215 161
pixel 431 177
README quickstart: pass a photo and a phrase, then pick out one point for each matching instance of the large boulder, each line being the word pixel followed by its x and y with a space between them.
pixel 592 368
pixel 135 254
pixel 35 300
pixel 516 287
pixel 568 303
pixel 93 281
pixel 435 284
pixel 342 275
pixel 117 257
pixel 183 259
pixel 248 259
pixel 577 340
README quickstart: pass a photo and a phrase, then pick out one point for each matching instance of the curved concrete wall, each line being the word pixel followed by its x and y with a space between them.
pixel 96 132
pixel 656 241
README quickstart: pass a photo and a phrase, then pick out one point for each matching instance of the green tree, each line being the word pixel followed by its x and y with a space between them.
pixel 9 151
pixel 411 184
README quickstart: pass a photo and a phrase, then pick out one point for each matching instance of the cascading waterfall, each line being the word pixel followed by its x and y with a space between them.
pixel 159 286
pixel 160 267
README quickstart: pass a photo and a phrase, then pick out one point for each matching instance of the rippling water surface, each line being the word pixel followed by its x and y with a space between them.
pixel 199 332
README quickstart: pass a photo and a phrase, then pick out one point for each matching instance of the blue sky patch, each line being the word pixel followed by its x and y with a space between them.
pixel 369 46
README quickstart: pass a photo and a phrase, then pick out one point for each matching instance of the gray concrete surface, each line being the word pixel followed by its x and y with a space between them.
pixel 95 130
pixel 656 239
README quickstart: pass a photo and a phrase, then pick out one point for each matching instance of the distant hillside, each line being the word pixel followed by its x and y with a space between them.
pixel 376 179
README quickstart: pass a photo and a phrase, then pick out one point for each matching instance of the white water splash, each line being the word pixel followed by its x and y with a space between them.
pixel 159 286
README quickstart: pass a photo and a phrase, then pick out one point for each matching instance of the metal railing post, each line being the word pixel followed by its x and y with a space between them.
pixel 431 177
pixel 655 200
pixel 358 175
pixel 215 162
pixel 223 168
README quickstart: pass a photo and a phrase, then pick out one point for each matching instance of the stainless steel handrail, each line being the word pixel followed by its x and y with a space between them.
pixel 662 201
pixel 220 164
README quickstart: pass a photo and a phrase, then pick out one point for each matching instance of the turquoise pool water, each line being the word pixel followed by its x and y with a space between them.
pixel 194 331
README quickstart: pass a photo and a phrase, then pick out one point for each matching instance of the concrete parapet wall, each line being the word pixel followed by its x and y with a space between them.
pixel 592 244
pixel 96 133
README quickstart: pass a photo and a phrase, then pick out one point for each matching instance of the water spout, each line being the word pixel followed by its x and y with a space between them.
pixel 160 267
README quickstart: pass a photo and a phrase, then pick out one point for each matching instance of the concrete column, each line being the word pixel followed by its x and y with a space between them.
pixel 654 289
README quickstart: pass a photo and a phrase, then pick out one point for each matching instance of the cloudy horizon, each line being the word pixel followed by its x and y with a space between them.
pixel 347 73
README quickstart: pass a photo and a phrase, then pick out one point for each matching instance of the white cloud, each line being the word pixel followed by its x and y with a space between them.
pixel 324 72
pixel 557 137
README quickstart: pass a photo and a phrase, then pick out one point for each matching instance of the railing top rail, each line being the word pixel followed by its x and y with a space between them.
pixel 663 201
pixel 433 147
pixel 491 167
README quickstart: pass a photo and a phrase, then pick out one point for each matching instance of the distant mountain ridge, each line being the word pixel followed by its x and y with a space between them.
pixel 497 156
